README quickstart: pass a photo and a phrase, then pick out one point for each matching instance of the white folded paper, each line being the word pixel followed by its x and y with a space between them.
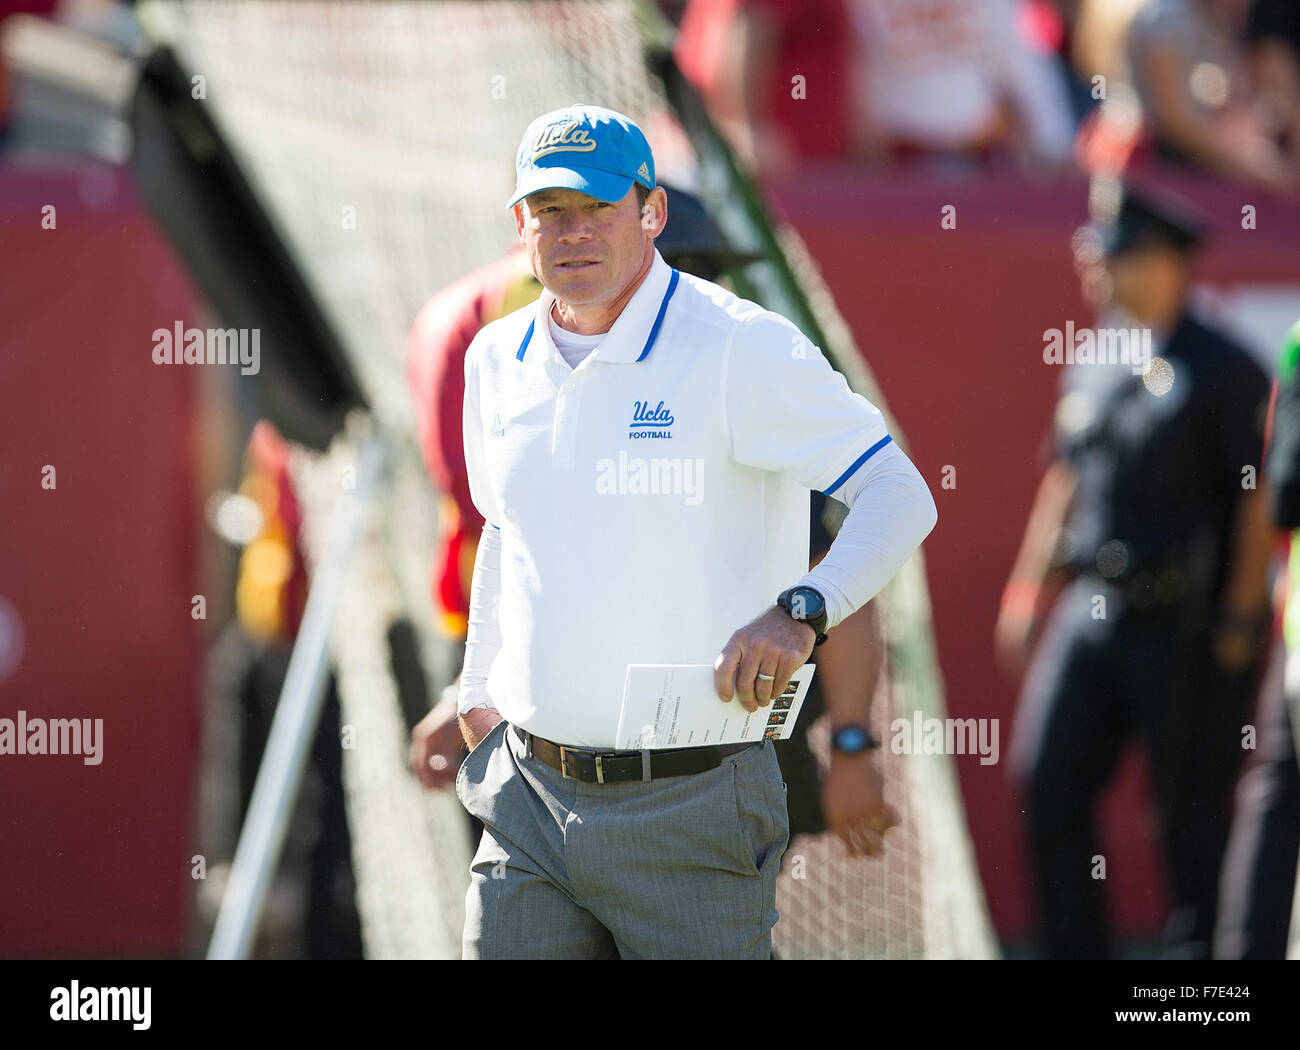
pixel 677 705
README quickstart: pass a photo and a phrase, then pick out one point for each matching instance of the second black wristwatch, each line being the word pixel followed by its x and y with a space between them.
pixel 804 603
pixel 853 740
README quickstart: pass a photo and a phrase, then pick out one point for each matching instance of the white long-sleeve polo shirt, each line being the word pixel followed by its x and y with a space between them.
pixel 643 506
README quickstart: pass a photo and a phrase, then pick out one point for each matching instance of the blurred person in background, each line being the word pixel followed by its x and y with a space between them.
pixel 1100 32
pixel 1274 40
pixel 6 91
pixel 848 663
pixel 1199 106
pixel 1149 543
pixel 776 75
pixel 441 335
pixel 249 664
pixel 833 797
pixel 958 79
pixel 947 81
pixel 1051 28
pixel 1259 871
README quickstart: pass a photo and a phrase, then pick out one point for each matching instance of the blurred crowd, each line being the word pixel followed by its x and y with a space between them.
pixel 1046 86
pixel 1043 86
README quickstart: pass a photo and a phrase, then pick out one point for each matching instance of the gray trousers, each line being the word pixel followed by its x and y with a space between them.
pixel 673 868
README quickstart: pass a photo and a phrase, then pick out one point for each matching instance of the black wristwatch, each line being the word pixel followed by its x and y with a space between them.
pixel 804 603
pixel 853 740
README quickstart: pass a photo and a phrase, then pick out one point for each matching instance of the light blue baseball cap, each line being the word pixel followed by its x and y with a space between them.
pixel 586 148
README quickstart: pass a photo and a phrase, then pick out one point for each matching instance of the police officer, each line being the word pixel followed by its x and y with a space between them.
pixel 1149 542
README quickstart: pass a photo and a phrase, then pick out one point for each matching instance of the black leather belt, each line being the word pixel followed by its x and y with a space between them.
pixel 606 767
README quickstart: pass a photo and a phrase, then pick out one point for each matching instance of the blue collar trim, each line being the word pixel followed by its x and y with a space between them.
pixel 527 336
pixel 659 318
pixel 654 329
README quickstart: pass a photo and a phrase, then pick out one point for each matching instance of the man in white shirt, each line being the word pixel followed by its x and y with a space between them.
pixel 641 444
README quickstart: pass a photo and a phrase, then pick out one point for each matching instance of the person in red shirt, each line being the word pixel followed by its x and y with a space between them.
pixel 774 73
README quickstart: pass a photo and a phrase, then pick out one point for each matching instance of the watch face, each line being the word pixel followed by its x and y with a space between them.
pixel 805 604
pixel 851 738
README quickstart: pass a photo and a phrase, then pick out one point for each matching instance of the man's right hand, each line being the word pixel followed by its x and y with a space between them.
pixel 477 723
pixel 436 748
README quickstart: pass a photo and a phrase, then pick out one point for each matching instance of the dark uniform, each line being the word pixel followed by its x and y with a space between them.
pixel 1127 651
pixel 799 768
pixel 1259 873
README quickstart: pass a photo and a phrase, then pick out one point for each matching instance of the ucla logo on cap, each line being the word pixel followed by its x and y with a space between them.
pixel 591 149
pixel 558 138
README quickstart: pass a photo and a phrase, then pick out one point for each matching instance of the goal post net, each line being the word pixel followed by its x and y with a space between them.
pixel 380 137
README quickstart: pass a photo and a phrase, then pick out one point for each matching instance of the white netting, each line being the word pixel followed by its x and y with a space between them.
pixel 409 115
